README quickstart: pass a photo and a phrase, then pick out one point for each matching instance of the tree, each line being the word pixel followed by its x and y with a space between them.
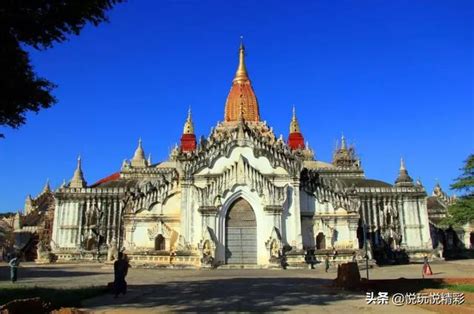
pixel 38 24
pixel 462 210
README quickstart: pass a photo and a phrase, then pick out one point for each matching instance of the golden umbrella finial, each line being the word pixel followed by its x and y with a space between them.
pixel 294 125
pixel 241 75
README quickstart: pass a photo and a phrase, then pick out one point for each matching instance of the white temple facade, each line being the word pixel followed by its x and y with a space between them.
pixel 240 196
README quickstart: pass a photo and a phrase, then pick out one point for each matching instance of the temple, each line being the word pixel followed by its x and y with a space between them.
pixel 241 197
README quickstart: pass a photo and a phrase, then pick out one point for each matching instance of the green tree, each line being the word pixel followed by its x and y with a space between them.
pixel 38 24
pixel 462 210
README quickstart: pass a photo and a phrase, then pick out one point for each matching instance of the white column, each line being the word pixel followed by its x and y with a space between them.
pixel 54 235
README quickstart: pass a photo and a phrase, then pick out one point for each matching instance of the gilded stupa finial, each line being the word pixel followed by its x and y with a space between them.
pixel 241 75
pixel 188 125
pixel 294 126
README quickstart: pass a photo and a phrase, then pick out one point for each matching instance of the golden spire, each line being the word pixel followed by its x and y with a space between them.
pixel 294 126
pixel 188 126
pixel 241 99
pixel 241 75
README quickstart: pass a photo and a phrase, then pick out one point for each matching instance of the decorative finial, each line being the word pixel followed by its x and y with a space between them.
pixel 138 160
pixel 241 74
pixel 402 164
pixel 294 126
pixel 149 159
pixel 343 142
pixel 403 178
pixel 188 125
pixel 77 180
pixel 46 187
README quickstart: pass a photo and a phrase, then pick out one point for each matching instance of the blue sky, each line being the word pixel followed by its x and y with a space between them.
pixel 396 77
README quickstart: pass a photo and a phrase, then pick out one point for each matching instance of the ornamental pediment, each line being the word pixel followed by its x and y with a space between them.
pixel 261 163
pixel 240 173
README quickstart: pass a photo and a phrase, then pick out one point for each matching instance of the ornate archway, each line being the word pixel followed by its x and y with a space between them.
pixel 241 234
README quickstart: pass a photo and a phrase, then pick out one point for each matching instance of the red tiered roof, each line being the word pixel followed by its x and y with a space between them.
pixel 296 141
pixel 188 142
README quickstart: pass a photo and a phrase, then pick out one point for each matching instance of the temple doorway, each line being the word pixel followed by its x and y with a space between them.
pixel 241 234
pixel 160 244
pixel 320 241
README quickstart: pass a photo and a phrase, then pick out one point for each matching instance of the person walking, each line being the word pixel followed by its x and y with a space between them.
pixel 14 263
pixel 326 261
pixel 121 267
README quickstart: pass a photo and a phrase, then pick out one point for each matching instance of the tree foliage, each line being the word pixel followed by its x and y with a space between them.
pixel 462 210
pixel 38 24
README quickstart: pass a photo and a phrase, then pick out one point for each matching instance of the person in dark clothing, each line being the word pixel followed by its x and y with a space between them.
pixel 121 267
pixel 326 260
pixel 14 263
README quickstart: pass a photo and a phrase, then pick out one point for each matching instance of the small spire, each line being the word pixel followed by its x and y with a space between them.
pixel 403 178
pixel 46 187
pixel 294 125
pixel 138 160
pixel 28 205
pixel 149 159
pixel 295 138
pixel 63 185
pixel 188 125
pixel 188 138
pixel 77 180
pixel 343 142
pixel 402 164
pixel 241 75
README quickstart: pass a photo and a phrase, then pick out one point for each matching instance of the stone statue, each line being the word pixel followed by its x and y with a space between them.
pixel 274 250
pixel 112 252
pixel 207 256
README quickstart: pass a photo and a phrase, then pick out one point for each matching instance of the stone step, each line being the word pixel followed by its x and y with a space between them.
pixel 242 266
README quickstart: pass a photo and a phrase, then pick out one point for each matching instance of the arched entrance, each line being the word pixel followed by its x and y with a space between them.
pixel 320 241
pixel 241 234
pixel 160 244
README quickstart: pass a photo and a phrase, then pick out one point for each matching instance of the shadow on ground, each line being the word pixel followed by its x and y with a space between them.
pixel 43 272
pixel 235 294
